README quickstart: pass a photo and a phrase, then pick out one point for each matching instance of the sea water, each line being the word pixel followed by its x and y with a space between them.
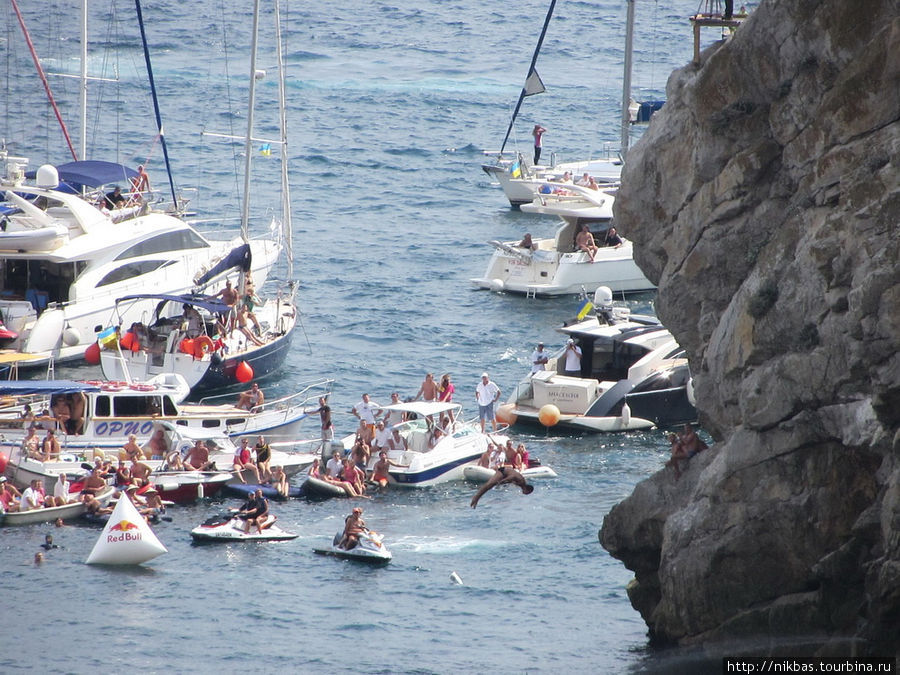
pixel 390 105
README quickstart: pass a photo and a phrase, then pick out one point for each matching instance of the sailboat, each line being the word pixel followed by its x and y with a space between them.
pixel 212 343
pixel 65 257
pixel 521 179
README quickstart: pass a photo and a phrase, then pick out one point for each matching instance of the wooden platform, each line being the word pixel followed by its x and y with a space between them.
pixel 712 21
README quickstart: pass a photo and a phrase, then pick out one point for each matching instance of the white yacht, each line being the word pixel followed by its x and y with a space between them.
pixel 65 259
pixel 555 266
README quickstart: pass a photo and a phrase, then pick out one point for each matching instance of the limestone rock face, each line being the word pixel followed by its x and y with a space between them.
pixel 764 200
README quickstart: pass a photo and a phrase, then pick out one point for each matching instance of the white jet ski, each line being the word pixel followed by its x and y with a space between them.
pixel 230 528
pixel 369 549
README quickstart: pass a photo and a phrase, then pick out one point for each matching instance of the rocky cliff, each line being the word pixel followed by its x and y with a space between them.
pixel 764 200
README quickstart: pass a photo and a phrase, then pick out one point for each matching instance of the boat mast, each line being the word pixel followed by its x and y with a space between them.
pixel 286 225
pixel 531 70
pixel 159 126
pixel 626 79
pixel 83 86
pixel 245 212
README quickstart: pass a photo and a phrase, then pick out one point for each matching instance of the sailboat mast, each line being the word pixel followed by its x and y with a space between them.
pixel 626 79
pixel 286 225
pixel 83 85
pixel 159 126
pixel 245 212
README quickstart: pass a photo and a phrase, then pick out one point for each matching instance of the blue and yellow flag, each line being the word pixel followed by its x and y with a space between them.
pixel 515 170
pixel 107 336
pixel 585 310
pixel 265 149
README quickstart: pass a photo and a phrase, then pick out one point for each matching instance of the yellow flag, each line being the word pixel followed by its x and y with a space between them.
pixel 585 309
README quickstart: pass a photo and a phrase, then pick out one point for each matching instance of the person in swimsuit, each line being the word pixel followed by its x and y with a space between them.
pixel 380 473
pixel 504 474
pixel 354 525
pixel 280 481
pixel 243 460
pixel 429 389
pixel 132 450
pixel 263 457
pixel 252 398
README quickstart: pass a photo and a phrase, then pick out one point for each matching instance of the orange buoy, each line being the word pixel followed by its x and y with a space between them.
pixel 243 373
pixel 186 346
pixel 549 415
pixel 506 413
pixel 4 460
pixel 92 354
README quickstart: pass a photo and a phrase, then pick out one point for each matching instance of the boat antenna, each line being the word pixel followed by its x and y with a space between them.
pixel 626 79
pixel 43 76
pixel 159 125
pixel 286 224
pixel 533 84
pixel 245 211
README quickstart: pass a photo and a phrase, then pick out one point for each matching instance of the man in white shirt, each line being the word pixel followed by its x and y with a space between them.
pixel 32 497
pixel 486 394
pixel 334 465
pixel 367 411
pixel 538 359
pixel 382 436
pixel 61 491
pixel 573 359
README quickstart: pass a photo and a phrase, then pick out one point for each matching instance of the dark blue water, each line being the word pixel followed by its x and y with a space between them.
pixel 390 106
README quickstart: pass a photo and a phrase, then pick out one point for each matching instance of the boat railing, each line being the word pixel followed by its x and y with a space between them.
pixel 309 391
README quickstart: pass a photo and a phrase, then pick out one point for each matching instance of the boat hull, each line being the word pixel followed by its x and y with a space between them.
pixel 482 474
pixel 50 514
pixel 580 423
pixel 188 486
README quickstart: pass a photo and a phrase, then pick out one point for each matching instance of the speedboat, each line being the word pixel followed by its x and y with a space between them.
pixel 482 474
pixel 74 509
pixel 439 443
pixel 231 528
pixel 64 259
pixel 633 376
pixel 555 266
pixel 184 487
pixel 369 548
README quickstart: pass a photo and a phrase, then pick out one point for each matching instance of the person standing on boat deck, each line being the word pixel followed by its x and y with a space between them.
pixel 229 296
pixel 192 322
pixel 140 184
pixel 504 474
pixel 367 411
pixel 445 394
pixel 486 394
pixel 263 457
pixel 538 132
pixel 584 240
pixel 429 390
pixel 252 398
pixel 573 359
pixel 324 413
pixel 539 358
pixel 392 417
pixel 612 238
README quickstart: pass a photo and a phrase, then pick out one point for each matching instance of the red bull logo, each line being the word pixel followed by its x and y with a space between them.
pixel 124 530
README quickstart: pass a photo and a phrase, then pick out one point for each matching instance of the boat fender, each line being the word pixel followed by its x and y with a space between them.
pixel 202 345
pixel 626 415
pixel 71 337
pixel 497 285
pixel 455 578
pixel 689 390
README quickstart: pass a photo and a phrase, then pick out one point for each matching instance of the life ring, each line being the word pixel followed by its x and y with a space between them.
pixel 143 387
pixel 202 345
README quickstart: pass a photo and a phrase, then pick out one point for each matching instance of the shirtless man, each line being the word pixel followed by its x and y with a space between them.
pixel 354 525
pixel 380 470
pixel 198 457
pixel 429 389
pixel 61 411
pixel 132 450
pixel 31 444
pixel 504 474
pixel 229 296
pixel 252 398
pixel 94 507
pixel 691 441
pixel 140 473
pixel 50 446
pixel 94 484
pixel 157 445
pixel 585 241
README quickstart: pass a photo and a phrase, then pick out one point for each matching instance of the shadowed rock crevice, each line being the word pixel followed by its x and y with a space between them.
pixel 764 200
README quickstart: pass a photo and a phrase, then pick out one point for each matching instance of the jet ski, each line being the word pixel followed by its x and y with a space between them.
pixel 369 549
pixel 228 527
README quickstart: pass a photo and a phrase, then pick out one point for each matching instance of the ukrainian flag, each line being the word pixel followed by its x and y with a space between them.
pixel 107 336
pixel 515 170
pixel 585 310
pixel 266 149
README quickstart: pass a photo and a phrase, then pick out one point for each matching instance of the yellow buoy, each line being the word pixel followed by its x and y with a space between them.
pixel 549 415
pixel 506 413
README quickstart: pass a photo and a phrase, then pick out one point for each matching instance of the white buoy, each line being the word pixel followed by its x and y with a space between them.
pixel 626 415
pixel 71 336
pixel 126 539
pixel 454 577
pixel 200 492
pixel 497 285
